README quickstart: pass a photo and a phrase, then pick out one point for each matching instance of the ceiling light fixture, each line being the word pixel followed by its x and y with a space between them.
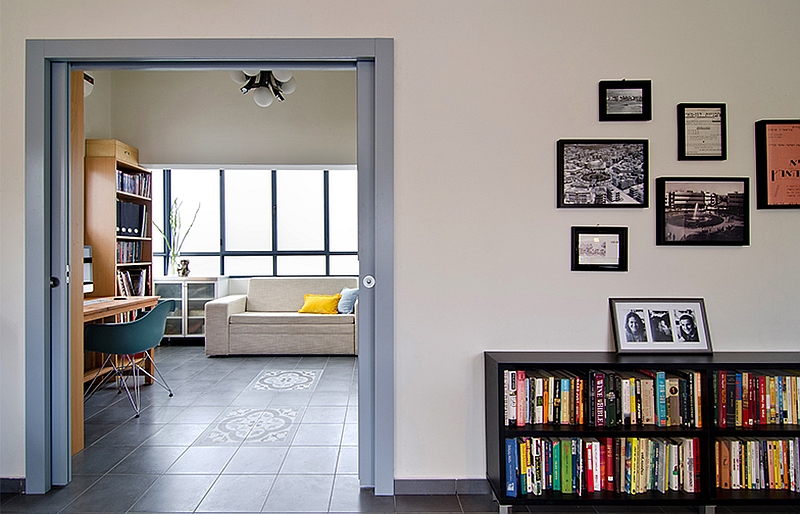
pixel 267 85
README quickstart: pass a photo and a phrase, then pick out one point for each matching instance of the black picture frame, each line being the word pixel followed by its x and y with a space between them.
pixel 602 173
pixel 703 211
pixel 702 132
pixel 777 164
pixel 625 100
pixel 599 249
pixel 660 325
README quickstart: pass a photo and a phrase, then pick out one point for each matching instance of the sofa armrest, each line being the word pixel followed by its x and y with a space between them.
pixel 218 313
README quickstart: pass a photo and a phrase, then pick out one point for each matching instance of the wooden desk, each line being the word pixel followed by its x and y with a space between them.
pixel 112 305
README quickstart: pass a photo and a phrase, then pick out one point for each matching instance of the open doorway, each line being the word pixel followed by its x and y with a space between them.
pixel 47 88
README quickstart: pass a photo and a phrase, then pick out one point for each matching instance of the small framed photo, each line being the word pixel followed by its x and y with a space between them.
pixel 702 132
pixel 660 325
pixel 703 211
pixel 602 173
pixel 625 100
pixel 599 248
pixel 778 164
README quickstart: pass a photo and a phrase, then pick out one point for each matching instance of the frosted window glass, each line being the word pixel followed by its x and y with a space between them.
pixel 300 208
pixel 248 210
pixel 202 266
pixel 343 194
pixel 301 265
pixel 344 265
pixel 247 266
pixel 193 188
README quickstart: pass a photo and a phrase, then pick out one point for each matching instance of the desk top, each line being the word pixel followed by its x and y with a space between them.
pixel 101 307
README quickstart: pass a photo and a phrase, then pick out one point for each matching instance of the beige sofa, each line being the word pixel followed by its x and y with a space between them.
pixel 265 321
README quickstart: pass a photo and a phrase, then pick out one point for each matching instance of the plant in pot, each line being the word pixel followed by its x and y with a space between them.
pixel 175 237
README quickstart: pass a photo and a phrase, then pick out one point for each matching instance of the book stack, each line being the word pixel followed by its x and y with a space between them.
pixel 747 398
pixel 580 466
pixel 758 464
pixel 603 398
pixel 129 252
pixel 132 282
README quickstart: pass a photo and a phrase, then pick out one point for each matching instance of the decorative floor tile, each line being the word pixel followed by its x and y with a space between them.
pixel 286 380
pixel 276 425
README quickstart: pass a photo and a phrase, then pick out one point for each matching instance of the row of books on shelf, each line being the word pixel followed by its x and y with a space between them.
pixel 132 282
pixel 129 251
pixel 758 464
pixel 624 465
pixel 134 183
pixel 603 398
pixel 131 219
pixel 747 399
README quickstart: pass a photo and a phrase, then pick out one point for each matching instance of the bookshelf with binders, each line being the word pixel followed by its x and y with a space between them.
pixel 118 210
pixel 598 428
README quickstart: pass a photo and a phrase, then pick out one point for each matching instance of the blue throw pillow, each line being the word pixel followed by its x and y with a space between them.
pixel 348 301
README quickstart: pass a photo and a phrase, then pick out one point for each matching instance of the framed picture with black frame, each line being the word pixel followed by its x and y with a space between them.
pixel 660 325
pixel 602 173
pixel 625 100
pixel 703 211
pixel 599 249
pixel 702 132
pixel 777 164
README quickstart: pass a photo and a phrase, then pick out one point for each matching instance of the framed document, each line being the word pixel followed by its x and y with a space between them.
pixel 702 132
pixel 778 164
pixel 599 249
pixel 625 100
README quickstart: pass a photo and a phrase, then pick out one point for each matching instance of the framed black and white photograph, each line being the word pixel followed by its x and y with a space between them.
pixel 625 100
pixel 778 164
pixel 703 211
pixel 602 173
pixel 702 132
pixel 660 325
pixel 599 249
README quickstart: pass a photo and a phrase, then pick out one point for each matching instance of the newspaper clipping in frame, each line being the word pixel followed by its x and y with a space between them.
pixel 783 164
pixel 703 126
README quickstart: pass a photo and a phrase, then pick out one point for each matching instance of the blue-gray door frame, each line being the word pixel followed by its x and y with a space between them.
pixel 47 453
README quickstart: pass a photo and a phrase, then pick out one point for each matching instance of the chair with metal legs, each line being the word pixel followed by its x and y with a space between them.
pixel 127 347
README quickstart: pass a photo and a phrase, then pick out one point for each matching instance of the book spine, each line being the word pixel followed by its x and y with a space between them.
pixel 511 467
pixel 661 397
pixel 600 399
pixel 521 398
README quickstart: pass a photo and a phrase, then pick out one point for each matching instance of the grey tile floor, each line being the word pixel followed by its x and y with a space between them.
pixel 241 434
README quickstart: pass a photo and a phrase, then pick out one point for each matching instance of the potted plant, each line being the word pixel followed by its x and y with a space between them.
pixel 174 239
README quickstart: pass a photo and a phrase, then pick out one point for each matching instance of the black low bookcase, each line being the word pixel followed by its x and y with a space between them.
pixel 496 363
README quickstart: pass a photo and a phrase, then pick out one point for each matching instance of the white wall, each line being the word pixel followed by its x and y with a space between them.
pixel 483 90
pixel 201 117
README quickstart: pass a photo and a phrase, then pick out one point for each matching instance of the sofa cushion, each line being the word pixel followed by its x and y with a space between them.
pixel 320 303
pixel 290 318
pixel 348 300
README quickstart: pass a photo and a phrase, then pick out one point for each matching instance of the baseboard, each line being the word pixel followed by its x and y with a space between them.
pixel 415 486
pixel 12 485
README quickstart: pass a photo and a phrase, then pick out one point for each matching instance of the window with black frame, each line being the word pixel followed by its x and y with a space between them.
pixel 257 222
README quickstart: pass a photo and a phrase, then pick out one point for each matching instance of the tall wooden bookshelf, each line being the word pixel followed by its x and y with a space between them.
pixel 114 183
pixel 776 432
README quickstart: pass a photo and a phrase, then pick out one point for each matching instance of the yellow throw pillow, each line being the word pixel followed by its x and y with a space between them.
pixel 321 303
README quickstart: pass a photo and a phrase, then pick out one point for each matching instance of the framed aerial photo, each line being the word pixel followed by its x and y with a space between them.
pixel 703 211
pixel 602 173
pixel 778 164
pixel 625 100
pixel 660 325
pixel 599 249
pixel 702 132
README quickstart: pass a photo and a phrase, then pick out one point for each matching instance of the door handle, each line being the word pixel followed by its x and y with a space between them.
pixel 54 282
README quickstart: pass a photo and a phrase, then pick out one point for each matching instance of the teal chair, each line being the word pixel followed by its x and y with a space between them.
pixel 121 341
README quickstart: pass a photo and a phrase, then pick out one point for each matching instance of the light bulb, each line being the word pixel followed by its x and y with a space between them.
pixel 282 75
pixel 289 86
pixel 263 97
pixel 239 77
pixel 251 73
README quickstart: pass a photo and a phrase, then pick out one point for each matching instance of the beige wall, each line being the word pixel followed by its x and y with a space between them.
pixel 482 91
pixel 201 117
